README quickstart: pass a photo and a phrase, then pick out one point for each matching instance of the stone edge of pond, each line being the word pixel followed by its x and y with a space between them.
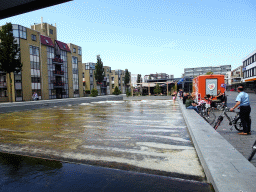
pixel 35 153
pixel 139 98
pixel 225 168
pixel 31 105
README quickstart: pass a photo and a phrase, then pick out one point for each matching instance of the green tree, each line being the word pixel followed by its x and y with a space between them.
pixel 139 78
pixel 94 93
pixel 9 55
pixel 157 89
pixel 116 91
pixel 126 78
pixel 99 71
pixel 209 73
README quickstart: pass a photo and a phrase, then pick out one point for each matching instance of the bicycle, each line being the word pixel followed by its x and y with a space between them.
pixel 207 113
pixel 236 121
pixel 253 151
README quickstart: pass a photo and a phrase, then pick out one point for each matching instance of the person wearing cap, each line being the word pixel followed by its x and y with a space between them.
pixel 242 100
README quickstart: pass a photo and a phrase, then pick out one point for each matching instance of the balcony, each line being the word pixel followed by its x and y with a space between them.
pixel 58 73
pixel 58 84
pixel 57 61
pixel 2 84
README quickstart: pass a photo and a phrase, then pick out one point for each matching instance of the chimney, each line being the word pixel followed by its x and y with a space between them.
pixel 41 22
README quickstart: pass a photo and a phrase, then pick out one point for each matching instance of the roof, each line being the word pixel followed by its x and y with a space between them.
pixel 63 46
pixel 13 7
pixel 46 41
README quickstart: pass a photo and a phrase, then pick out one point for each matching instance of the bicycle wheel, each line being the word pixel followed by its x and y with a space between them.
pixel 217 124
pixel 210 118
pixel 238 124
pixel 253 151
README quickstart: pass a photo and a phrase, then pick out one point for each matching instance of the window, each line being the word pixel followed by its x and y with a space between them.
pixel 64 46
pixel 19 31
pixel 74 50
pixel 51 31
pixel 79 51
pixel 33 37
pixel 113 86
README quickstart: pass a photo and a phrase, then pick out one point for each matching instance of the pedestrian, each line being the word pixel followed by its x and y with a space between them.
pixel 181 94
pixel 174 94
pixel 185 96
pixel 35 96
pixel 242 100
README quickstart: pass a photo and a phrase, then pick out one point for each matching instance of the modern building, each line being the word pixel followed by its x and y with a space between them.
pixel 51 68
pixel 112 79
pixel 193 72
pixel 249 72
pixel 237 76
pixel 89 81
pixel 134 79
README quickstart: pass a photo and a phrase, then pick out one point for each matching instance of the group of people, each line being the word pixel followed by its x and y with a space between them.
pixel 242 102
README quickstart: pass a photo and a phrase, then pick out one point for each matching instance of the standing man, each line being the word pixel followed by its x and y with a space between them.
pixel 181 94
pixel 242 99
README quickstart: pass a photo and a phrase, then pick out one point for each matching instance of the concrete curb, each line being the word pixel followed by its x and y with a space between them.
pixel 139 98
pixel 28 105
pixel 225 168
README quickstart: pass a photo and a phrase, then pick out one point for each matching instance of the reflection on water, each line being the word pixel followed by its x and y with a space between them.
pixel 20 173
pixel 146 134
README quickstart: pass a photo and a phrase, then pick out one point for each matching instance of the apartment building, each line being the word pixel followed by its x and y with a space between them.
pixel 249 68
pixel 51 68
pixel 89 79
pixel 237 76
pixel 112 79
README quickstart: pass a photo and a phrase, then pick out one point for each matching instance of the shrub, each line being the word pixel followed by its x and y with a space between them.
pixel 116 91
pixel 94 93
pixel 157 89
pixel 87 91
pixel 128 93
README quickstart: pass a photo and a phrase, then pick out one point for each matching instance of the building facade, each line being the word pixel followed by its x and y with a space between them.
pixel 112 79
pixel 51 68
pixel 249 72
pixel 193 72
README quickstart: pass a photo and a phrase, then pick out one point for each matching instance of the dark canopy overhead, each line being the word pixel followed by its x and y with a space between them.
pixel 9 8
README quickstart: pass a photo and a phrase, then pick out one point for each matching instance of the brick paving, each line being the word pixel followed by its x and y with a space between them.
pixel 243 143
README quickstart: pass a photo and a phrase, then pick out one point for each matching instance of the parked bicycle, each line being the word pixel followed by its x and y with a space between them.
pixel 253 151
pixel 207 113
pixel 233 121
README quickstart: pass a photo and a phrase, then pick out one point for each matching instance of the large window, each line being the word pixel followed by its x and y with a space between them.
pixel 3 88
pixel 79 51
pixel 57 75
pixel 19 31
pixel 75 76
pixel 35 71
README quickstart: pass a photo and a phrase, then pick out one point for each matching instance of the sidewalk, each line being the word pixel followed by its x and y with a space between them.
pixel 225 168
pixel 243 143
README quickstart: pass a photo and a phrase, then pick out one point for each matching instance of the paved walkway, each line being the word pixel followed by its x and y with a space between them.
pixel 243 143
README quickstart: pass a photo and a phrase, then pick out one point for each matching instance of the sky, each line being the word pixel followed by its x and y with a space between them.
pixel 153 36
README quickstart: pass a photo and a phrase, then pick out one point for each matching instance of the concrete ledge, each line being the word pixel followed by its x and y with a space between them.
pixel 225 168
pixel 139 98
pixel 28 105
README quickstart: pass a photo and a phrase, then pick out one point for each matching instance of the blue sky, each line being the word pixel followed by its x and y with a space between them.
pixel 149 36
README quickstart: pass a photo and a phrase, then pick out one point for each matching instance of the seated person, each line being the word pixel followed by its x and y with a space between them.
pixel 185 96
pixel 220 96
pixel 191 104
